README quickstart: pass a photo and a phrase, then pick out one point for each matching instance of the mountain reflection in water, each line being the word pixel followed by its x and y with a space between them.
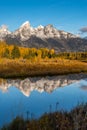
pixel 36 95
pixel 41 84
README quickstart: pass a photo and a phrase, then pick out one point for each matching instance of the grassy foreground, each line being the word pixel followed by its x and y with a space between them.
pixel 12 68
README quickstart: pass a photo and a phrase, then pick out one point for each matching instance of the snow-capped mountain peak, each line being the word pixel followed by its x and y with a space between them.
pixel 24 32
pixel 3 28
pixel 25 24
pixel 40 27
pixel 4 32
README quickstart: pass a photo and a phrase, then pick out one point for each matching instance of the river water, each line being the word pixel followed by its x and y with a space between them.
pixel 38 95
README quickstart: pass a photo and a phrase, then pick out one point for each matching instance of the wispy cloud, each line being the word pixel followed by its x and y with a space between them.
pixel 83 29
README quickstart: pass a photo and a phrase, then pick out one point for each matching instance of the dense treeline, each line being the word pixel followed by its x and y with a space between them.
pixel 12 52
pixel 73 55
pixel 74 120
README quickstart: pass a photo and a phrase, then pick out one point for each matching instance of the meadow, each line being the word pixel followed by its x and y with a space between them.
pixel 23 68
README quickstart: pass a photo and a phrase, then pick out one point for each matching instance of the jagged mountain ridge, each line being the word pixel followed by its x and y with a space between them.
pixel 43 36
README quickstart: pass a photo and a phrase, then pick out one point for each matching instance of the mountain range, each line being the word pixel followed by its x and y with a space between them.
pixel 43 37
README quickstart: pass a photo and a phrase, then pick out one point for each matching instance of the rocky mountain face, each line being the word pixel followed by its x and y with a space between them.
pixel 43 36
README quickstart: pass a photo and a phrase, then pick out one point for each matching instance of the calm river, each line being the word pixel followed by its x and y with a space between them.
pixel 38 95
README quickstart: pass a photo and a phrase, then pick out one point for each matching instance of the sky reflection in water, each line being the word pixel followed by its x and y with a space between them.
pixel 13 102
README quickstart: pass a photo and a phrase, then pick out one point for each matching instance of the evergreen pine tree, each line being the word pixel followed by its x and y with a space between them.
pixel 15 52
pixel 6 53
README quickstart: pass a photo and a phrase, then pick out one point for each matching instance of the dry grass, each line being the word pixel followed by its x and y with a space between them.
pixel 23 68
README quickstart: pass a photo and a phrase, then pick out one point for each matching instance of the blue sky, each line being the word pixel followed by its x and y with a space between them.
pixel 68 15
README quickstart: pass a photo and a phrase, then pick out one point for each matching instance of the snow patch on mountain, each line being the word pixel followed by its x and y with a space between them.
pixel 25 31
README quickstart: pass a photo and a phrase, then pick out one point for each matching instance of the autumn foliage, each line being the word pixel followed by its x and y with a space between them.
pixel 13 51
pixel 22 62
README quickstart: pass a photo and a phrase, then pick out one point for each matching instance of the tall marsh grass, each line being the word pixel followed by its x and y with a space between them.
pixel 23 68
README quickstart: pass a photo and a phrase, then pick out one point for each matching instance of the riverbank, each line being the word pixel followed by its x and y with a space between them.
pixel 52 121
pixel 10 68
